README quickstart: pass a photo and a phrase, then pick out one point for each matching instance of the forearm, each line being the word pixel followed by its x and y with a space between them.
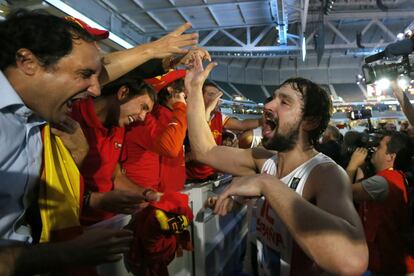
pixel 119 63
pixel 335 244
pixel 201 138
pixel 123 182
pixel 242 125
pixel 351 171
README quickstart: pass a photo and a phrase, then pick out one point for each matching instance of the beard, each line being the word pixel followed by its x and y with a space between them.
pixel 282 142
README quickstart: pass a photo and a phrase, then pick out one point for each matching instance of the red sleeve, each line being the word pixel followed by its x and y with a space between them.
pixel 170 141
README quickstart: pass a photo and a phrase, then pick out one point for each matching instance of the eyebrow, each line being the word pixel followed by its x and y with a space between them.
pixel 282 95
pixel 87 71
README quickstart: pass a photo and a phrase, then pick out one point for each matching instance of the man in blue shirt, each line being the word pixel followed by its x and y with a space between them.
pixel 46 64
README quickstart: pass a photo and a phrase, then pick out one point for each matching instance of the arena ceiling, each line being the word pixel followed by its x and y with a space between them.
pixel 261 42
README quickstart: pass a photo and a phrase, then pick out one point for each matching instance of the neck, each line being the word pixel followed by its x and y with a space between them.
pixel 384 166
pixel 102 107
pixel 288 161
pixel 17 81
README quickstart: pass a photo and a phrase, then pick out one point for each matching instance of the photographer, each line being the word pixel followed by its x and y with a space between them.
pixel 384 205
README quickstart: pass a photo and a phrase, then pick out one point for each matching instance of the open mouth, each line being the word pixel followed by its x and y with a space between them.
pixel 131 119
pixel 272 124
pixel 78 97
pixel 270 120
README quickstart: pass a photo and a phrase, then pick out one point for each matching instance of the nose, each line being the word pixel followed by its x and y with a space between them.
pixel 94 88
pixel 142 115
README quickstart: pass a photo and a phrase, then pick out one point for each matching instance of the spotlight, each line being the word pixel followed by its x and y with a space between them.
pixel 403 82
pixel 383 84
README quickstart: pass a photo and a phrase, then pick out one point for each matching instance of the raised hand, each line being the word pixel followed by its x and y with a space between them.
pixel 188 59
pixel 196 75
pixel 174 43
pixel 119 201
pixel 212 103
pixel 358 158
pixel 73 138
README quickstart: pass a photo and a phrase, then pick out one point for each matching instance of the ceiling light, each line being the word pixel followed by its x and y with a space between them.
pixel 72 12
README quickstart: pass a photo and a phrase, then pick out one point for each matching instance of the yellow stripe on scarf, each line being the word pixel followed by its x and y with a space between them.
pixel 59 197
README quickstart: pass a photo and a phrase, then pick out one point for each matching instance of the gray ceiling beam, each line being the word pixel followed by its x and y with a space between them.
pixel 304 15
pixel 180 12
pixel 208 37
pixel 235 89
pixel 261 35
pixel 205 5
pixel 385 29
pixel 151 15
pixel 232 37
pixel 368 15
pixel 265 92
pixel 278 11
pixel 248 36
pixel 222 90
pixel 213 15
pixel 241 14
pixel 222 27
pixel 337 32
pixel 284 48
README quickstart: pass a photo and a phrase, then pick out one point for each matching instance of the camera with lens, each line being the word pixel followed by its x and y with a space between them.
pixel 354 140
pixel 395 62
pixel 359 114
pixel 363 140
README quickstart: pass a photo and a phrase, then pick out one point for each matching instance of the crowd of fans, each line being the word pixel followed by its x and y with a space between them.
pixel 86 137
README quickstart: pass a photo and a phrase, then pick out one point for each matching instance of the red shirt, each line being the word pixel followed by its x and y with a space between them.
pixel 153 154
pixel 172 170
pixel 196 170
pixel 104 151
pixel 138 162
pixel 385 223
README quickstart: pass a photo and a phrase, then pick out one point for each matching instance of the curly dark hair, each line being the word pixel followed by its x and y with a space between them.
pixel 137 87
pixel 317 104
pixel 47 36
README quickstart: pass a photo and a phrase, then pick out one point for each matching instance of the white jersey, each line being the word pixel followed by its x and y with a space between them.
pixel 274 242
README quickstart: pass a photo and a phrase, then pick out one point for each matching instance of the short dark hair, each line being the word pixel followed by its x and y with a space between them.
pixel 209 83
pixel 137 87
pixel 47 36
pixel 163 95
pixel 334 131
pixel 316 103
pixel 399 144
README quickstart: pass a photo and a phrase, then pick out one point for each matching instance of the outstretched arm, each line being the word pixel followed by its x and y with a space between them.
pixel 242 125
pixel 203 147
pixel 329 232
pixel 119 63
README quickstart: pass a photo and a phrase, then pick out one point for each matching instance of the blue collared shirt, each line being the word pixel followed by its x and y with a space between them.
pixel 20 161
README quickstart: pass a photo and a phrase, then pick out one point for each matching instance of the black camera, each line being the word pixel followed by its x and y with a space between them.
pixel 359 114
pixel 354 140
pixel 384 64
